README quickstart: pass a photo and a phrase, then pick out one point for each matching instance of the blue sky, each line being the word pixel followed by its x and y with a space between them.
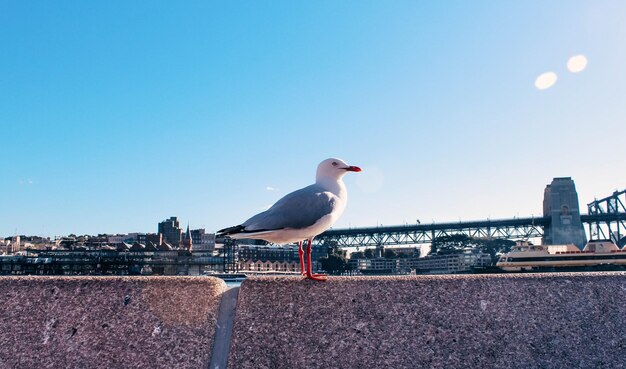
pixel 116 115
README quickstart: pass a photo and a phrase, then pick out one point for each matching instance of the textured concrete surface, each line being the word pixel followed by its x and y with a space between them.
pixel 108 322
pixel 474 321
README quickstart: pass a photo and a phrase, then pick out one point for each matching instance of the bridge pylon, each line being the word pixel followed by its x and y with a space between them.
pixel 560 205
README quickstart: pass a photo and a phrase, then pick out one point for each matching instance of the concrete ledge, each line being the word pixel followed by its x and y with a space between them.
pixel 108 322
pixel 474 321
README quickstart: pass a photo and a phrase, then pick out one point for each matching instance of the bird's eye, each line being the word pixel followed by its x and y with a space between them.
pixel 335 164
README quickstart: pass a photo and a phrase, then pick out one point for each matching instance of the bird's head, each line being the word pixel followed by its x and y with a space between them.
pixel 334 168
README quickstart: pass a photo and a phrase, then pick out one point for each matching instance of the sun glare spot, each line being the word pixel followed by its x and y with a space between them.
pixel 577 63
pixel 545 80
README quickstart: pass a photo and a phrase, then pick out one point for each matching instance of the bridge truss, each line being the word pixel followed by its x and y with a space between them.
pixel 510 229
pixel 609 207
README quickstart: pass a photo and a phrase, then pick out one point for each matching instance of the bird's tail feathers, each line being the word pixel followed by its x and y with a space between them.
pixel 230 231
pixel 239 231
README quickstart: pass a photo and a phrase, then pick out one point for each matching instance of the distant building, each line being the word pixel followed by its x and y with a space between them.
pixel 15 245
pixel 130 238
pixel 187 242
pixel 451 263
pixel 202 241
pixel 407 251
pixel 117 238
pixel 4 244
pixel 96 242
pixel 134 260
pixel 171 231
pixel 154 238
pixel 376 266
pixel 286 253
pixel 67 242
pixel 269 266
pixel 267 253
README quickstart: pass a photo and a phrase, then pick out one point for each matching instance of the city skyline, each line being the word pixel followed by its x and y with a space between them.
pixel 115 120
pixel 202 228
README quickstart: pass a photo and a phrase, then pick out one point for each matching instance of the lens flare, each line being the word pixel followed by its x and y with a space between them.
pixel 545 80
pixel 577 63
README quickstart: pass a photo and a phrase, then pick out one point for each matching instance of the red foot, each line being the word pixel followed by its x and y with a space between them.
pixel 301 253
pixel 316 277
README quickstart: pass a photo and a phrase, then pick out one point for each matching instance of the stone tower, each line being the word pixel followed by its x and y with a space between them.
pixel 560 204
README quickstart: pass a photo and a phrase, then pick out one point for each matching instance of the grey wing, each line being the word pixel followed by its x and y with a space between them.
pixel 299 209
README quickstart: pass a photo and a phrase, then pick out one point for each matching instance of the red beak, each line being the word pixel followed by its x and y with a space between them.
pixel 353 169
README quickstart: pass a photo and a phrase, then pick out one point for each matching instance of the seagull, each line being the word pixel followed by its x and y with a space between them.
pixel 302 214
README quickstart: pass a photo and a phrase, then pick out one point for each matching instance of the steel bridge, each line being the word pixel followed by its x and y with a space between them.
pixel 511 229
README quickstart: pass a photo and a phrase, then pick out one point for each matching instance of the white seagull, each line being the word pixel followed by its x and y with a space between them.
pixel 302 214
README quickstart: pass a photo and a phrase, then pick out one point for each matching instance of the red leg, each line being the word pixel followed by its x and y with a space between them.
pixel 309 266
pixel 301 252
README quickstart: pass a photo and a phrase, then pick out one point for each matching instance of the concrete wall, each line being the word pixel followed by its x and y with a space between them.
pixel 564 320
pixel 471 321
pixel 107 322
